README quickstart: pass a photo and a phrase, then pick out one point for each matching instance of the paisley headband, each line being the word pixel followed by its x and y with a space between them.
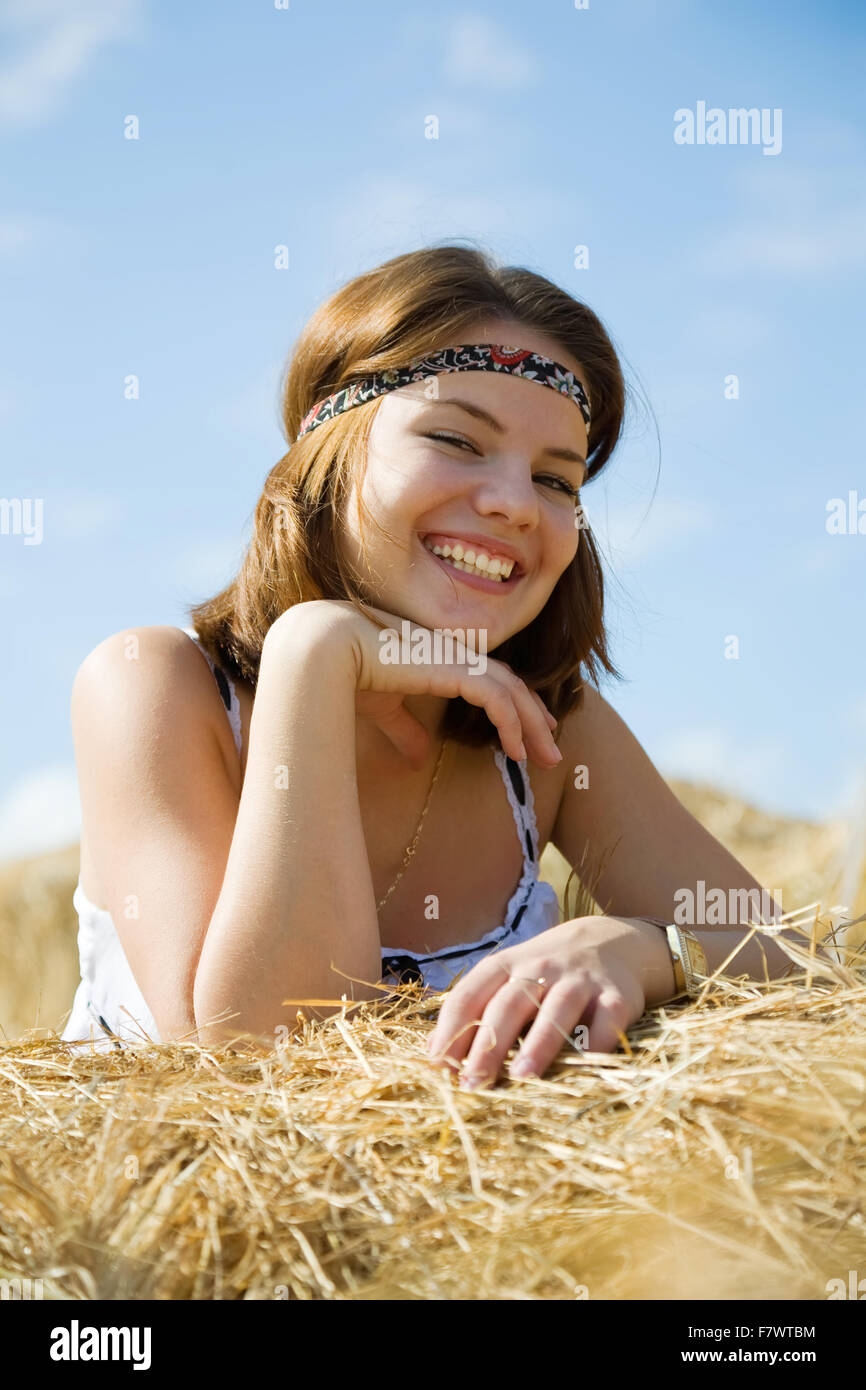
pixel 477 357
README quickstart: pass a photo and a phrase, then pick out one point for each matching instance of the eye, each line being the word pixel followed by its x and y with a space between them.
pixel 449 438
pixel 562 484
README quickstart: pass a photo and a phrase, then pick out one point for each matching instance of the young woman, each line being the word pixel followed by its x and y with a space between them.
pixel 273 808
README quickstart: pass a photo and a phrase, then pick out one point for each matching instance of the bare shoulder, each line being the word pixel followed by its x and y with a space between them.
pixel 149 660
pixel 616 788
pixel 596 736
pixel 586 723
pixel 152 645
pixel 159 804
pixel 150 679
pixel 605 763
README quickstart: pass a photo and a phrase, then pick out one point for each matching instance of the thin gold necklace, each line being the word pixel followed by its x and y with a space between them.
pixel 410 849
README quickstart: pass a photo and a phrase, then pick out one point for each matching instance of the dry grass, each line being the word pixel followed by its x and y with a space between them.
pixel 722 1158
pixel 719 1154
pixel 38 941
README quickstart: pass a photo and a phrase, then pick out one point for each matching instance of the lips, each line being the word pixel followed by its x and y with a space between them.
pixel 497 557
pixel 472 577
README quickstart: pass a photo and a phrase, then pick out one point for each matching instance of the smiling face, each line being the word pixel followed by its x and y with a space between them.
pixel 482 515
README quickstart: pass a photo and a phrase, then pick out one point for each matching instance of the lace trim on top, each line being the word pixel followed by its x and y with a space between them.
pixel 522 803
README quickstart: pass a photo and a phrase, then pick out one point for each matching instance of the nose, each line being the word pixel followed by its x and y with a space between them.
pixel 509 492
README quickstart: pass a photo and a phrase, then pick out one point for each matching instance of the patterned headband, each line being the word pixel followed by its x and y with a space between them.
pixel 473 357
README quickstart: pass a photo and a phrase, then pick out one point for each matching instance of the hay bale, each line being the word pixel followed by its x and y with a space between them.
pixel 719 1155
pixel 38 941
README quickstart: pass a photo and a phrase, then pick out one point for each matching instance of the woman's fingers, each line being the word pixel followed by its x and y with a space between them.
pixel 536 719
pixel 474 1037
pixel 406 733
pixel 611 1017
pixel 477 1028
pixel 559 1016
pixel 500 1026
pixel 498 696
pixel 461 1011
pixel 550 720
pixel 518 713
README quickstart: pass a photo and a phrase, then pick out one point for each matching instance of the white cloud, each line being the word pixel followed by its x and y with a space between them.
pixel 205 566
pixel 824 555
pixel 632 531
pixel 40 812
pixel 256 407
pixel 19 231
pixel 793 221
pixel 729 328
pixel 830 139
pixel 58 44
pixel 386 215
pixel 77 517
pixel 823 243
pixel 709 753
pixel 857 714
pixel 23 232
pixel 480 53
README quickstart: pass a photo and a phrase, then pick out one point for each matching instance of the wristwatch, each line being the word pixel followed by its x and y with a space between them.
pixel 688 956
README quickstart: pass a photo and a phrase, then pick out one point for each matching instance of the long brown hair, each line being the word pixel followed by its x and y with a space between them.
pixel 408 307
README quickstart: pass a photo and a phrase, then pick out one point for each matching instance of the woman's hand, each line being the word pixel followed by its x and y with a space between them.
pixel 597 971
pixel 518 713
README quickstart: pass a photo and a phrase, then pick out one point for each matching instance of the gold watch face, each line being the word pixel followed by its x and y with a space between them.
pixel 697 954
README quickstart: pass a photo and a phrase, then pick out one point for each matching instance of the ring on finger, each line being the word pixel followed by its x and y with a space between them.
pixel 539 980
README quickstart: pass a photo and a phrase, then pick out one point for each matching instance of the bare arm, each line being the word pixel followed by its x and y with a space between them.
pixel 296 916
pixel 297 895
pixel 263 885
pixel 227 900
pixel 159 786
pixel 659 851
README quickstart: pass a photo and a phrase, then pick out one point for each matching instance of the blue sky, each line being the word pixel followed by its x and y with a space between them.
pixel 305 127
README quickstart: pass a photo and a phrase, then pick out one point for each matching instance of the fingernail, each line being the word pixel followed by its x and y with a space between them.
pixel 558 754
pixel 470 1083
pixel 522 754
pixel 521 1066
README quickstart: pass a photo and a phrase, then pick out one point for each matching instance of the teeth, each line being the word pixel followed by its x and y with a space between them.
pixel 470 563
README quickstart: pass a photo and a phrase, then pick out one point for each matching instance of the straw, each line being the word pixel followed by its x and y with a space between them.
pixel 722 1158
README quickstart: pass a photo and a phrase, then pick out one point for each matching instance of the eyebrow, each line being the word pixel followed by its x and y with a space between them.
pixel 569 455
